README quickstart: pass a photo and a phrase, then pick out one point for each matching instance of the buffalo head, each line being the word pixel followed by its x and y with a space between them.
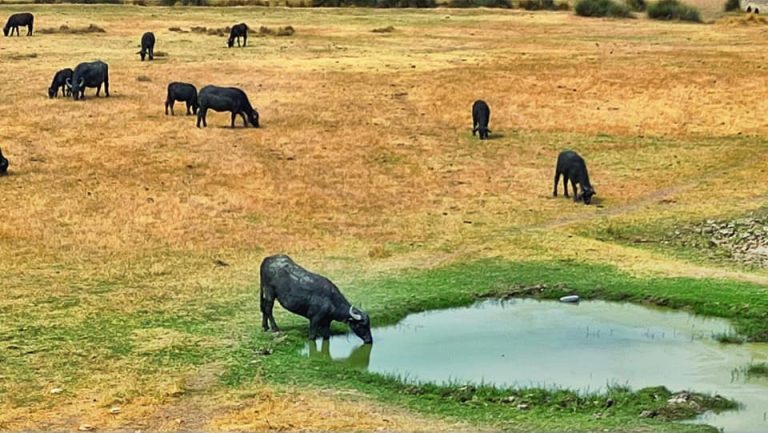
pixel 75 88
pixel 586 195
pixel 360 324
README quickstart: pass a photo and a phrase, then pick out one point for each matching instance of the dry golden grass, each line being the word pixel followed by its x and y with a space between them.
pixel 365 165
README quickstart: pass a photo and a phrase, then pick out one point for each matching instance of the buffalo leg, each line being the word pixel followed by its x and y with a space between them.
pixel 189 107
pixel 29 30
pixel 106 86
pixel 245 121
pixel 98 90
pixel 575 190
pixel 151 53
pixel 267 318
pixel 557 180
pixel 245 39
pixel 565 185
pixel 168 104
pixel 201 117
pixel 325 329
pixel 234 114
pixel 314 327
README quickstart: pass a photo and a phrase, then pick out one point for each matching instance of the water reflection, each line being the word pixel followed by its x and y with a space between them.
pixel 582 347
pixel 359 357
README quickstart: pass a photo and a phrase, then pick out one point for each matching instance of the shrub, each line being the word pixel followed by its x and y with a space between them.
pixel 375 3
pixel 673 10
pixel 602 8
pixel 538 5
pixel 637 5
pixel 504 4
pixel 732 5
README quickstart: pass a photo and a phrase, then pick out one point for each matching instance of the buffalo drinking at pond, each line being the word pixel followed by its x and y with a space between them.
pixel 572 167
pixel 229 99
pixel 310 295
pixel 60 82
pixel 481 115
pixel 19 20
pixel 147 46
pixel 92 74
pixel 181 92
pixel 238 31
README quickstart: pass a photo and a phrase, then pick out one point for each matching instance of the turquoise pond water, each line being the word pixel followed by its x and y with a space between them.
pixel 584 347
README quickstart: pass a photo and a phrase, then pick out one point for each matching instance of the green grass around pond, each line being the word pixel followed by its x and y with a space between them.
pixel 227 332
pixel 389 300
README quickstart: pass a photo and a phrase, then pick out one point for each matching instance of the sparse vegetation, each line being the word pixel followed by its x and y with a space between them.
pixel 728 338
pixel 92 28
pixel 280 31
pixel 536 5
pixel 601 8
pixel 732 5
pixel 636 5
pixel 758 369
pixel 505 4
pixel 673 10
pixel 132 284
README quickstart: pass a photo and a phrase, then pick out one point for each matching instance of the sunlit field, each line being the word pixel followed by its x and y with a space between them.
pixel 130 241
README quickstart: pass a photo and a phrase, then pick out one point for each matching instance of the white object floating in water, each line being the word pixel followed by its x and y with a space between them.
pixel 570 298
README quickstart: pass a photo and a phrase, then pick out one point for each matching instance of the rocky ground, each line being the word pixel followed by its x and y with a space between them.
pixel 744 239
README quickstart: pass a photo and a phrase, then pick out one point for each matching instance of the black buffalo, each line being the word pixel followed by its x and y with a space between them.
pixel 92 74
pixel 573 168
pixel 147 46
pixel 181 92
pixel 481 115
pixel 310 295
pixel 3 164
pixel 238 31
pixel 229 99
pixel 19 20
pixel 60 82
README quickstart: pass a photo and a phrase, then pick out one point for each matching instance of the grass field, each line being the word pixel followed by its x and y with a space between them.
pixel 130 241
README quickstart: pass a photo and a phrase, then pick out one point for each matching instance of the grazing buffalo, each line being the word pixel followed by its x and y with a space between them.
pixel 3 164
pixel 181 92
pixel 238 30
pixel 60 81
pixel 310 295
pixel 92 74
pixel 481 115
pixel 229 99
pixel 19 20
pixel 147 46
pixel 573 168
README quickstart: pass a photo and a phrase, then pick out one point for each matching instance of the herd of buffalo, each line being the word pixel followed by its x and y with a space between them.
pixel 295 288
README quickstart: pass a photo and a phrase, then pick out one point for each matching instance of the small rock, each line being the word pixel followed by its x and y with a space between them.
pixel 57 391
pixel 522 406
pixel 86 427
pixel 114 410
pixel 649 414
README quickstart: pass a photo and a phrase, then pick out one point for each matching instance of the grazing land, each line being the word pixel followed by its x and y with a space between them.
pixel 130 241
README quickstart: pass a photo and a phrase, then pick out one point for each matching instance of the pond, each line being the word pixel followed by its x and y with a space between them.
pixel 583 347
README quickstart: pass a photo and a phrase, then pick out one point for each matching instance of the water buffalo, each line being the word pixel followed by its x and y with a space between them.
pixel 181 92
pixel 310 295
pixel 60 81
pixel 229 99
pixel 147 46
pixel 237 31
pixel 3 164
pixel 481 115
pixel 19 20
pixel 92 74
pixel 573 168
